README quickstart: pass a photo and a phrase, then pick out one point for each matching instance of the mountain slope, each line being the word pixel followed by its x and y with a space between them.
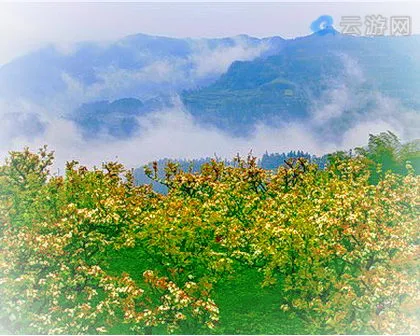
pixel 284 87
pixel 140 66
pixel 327 81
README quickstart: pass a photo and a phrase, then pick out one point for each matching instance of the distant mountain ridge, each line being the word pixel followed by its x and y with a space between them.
pixel 51 70
pixel 68 82
pixel 283 87
pixel 328 80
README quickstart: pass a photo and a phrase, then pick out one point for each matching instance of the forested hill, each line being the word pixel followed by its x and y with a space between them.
pixel 310 70
pixel 329 81
pixel 384 149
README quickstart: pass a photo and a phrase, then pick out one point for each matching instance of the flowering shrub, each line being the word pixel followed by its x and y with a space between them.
pixel 176 305
pixel 345 251
pixel 342 251
pixel 54 248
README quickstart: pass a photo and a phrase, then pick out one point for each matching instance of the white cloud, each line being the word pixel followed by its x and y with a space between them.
pixel 357 136
pixel 160 75
pixel 344 94
pixel 348 113
pixel 170 133
pixel 210 62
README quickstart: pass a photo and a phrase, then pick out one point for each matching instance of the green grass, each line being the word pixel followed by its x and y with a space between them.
pixel 245 307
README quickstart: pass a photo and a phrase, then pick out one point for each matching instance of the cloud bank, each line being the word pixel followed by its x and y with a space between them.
pixel 172 133
pixel 340 119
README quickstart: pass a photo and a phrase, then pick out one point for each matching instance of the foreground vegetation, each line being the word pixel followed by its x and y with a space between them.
pixel 228 250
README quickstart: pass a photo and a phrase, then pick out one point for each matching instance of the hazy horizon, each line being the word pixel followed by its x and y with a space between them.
pixel 28 26
pixel 172 132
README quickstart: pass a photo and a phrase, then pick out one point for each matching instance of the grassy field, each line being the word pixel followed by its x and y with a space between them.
pixel 245 307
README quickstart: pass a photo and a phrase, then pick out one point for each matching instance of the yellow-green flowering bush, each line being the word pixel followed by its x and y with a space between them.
pixel 342 252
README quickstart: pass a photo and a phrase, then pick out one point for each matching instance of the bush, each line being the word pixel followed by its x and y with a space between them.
pixel 340 250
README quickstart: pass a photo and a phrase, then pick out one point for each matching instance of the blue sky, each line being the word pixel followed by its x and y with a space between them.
pixel 26 26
